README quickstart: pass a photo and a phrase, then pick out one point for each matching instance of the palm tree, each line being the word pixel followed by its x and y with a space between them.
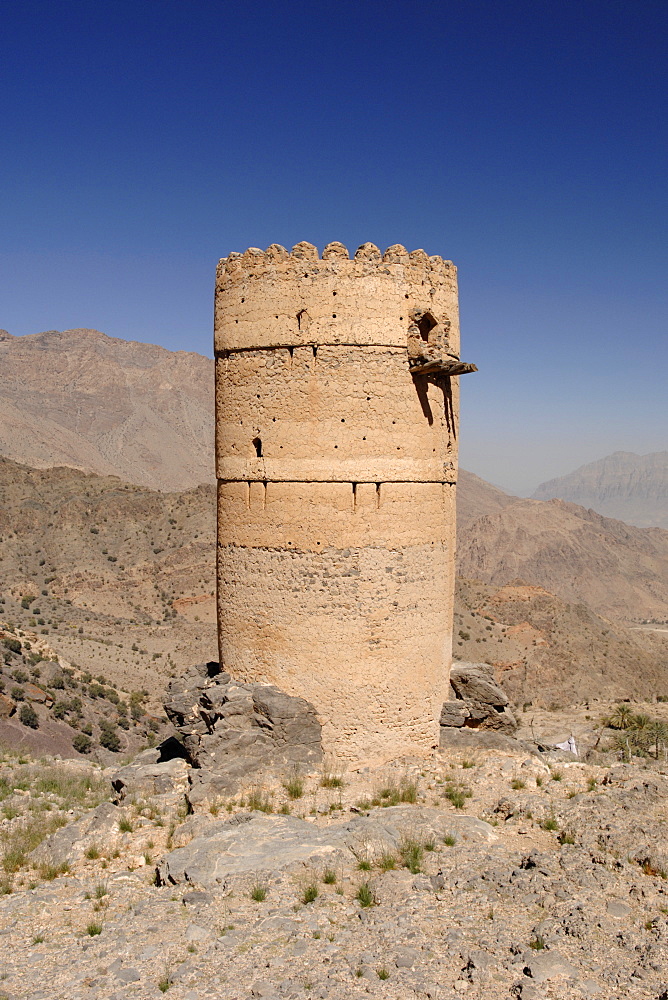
pixel 621 717
pixel 620 743
pixel 658 733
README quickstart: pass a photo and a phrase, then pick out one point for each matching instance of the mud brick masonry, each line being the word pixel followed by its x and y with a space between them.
pixel 336 455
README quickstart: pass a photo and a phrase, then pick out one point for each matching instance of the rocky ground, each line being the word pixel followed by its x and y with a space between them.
pixel 482 872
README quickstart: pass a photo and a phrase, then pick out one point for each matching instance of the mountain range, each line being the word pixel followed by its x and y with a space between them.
pixel 629 487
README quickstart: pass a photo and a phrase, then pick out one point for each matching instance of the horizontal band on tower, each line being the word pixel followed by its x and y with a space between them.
pixel 350 482
pixel 227 352
pixel 377 470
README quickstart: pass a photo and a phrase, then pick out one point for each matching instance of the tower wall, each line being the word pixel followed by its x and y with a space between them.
pixel 336 487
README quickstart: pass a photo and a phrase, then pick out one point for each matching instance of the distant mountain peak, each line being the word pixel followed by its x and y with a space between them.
pixel 623 485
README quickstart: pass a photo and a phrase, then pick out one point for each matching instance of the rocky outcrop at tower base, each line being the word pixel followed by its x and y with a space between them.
pixel 476 700
pixel 234 735
pixel 233 731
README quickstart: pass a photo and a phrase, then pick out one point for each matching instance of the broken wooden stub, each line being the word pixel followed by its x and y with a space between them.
pixel 444 366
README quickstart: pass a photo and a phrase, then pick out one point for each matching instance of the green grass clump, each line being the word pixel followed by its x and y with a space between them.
pixel 260 800
pixel 364 865
pixel 365 896
pixel 387 861
pixel 94 928
pixel 124 825
pixel 550 823
pixel 449 840
pixel 294 787
pixel 329 876
pixel 517 783
pixel 17 843
pixel 331 780
pixel 310 893
pixel 258 893
pixel 456 795
pixel 391 794
pixel 382 973
pixel 411 853
pixel 71 790
pixel 49 872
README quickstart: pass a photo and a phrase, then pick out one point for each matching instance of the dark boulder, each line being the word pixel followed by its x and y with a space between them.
pixel 232 731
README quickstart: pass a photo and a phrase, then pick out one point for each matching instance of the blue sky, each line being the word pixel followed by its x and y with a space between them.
pixel 526 141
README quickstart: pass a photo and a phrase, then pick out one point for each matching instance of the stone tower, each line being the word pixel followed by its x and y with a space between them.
pixel 336 452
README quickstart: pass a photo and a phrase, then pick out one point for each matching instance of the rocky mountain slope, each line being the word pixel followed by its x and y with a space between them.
pixel 47 705
pixel 478 498
pixel 120 578
pixel 633 488
pixel 550 652
pixel 120 581
pixel 115 407
pixel 617 569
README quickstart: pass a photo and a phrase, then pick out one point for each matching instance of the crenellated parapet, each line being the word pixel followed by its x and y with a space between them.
pixel 281 298
pixel 396 254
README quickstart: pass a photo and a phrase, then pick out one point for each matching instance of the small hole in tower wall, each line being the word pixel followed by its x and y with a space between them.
pixel 257 444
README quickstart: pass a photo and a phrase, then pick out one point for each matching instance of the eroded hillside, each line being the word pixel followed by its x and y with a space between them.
pixel 119 580
pixel 110 406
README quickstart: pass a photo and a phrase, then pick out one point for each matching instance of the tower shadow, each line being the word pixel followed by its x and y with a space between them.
pixel 444 383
